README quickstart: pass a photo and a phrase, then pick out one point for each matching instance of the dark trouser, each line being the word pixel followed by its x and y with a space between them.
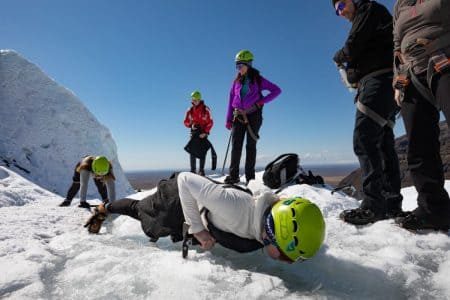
pixel 75 187
pixel 421 120
pixel 124 206
pixel 194 163
pixel 239 130
pixel 374 146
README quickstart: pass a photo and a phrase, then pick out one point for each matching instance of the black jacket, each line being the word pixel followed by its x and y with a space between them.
pixel 161 213
pixel 369 46
pixel 199 147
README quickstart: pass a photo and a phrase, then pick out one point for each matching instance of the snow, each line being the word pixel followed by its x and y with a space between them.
pixel 45 253
pixel 45 129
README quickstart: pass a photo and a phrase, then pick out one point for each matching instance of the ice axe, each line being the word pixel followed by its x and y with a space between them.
pixel 345 187
pixel 226 153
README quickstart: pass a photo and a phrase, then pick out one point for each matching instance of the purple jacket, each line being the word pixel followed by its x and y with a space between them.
pixel 253 95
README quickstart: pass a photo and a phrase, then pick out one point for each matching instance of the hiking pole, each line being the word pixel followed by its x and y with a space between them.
pixel 226 153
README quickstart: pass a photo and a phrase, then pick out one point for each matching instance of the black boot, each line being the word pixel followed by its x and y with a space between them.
pixel 66 202
pixel 231 180
pixel 414 221
pixel 361 216
pixel 84 204
pixel 394 206
pixel 394 213
pixel 201 173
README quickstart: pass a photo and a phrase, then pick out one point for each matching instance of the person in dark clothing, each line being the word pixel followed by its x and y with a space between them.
pixel 101 170
pixel 244 115
pixel 198 119
pixel 367 58
pixel 422 83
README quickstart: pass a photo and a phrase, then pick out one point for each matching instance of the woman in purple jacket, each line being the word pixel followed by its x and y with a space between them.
pixel 245 113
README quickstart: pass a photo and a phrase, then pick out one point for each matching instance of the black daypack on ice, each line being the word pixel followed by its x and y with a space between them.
pixel 281 170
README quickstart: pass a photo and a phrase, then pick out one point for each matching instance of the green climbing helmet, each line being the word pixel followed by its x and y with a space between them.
pixel 299 227
pixel 244 56
pixel 196 95
pixel 100 166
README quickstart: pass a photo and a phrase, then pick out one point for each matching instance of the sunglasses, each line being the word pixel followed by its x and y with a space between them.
pixel 339 8
pixel 240 66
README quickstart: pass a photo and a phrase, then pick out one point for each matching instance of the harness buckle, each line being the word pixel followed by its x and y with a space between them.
pixel 401 82
pixel 240 115
pixel 441 63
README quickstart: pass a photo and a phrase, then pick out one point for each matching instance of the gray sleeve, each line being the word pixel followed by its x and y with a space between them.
pixel 395 30
pixel 84 180
pixel 111 186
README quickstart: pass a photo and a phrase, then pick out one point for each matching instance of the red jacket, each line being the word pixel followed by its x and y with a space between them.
pixel 200 116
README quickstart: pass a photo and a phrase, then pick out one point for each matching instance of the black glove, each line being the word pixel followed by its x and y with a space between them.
pixel 339 57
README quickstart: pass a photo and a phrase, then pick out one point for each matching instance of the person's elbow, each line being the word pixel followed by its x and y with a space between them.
pixel 277 91
pixel 274 92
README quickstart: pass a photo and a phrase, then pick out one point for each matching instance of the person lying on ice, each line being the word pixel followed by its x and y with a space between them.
pixel 289 229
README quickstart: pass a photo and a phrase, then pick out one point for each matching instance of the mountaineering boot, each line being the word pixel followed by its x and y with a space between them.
pixel 201 173
pixel 360 216
pixel 94 223
pixel 396 212
pixel 415 221
pixel 231 180
pixel 394 207
pixel 84 204
pixel 66 202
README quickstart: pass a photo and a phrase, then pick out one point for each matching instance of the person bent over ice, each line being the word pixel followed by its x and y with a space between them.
pixel 101 170
pixel 289 229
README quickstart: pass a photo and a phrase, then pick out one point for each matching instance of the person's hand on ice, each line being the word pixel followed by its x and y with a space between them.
pixel 205 239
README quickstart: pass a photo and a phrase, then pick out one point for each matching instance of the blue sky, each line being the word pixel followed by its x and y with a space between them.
pixel 134 64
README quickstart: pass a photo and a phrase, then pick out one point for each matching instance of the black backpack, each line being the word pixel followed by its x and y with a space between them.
pixel 282 170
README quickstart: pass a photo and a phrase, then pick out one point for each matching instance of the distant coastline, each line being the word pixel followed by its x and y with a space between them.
pixel 148 179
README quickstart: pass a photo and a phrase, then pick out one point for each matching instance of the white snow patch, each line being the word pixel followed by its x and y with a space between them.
pixel 46 253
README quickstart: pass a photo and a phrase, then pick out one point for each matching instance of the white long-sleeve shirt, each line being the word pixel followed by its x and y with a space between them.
pixel 230 210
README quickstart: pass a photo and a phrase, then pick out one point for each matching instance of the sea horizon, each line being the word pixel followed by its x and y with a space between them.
pixel 147 179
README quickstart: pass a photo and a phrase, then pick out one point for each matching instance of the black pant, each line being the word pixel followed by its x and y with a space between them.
pixel 194 163
pixel 75 187
pixel 374 146
pixel 124 206
pixel 421 120
pixel 239 130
